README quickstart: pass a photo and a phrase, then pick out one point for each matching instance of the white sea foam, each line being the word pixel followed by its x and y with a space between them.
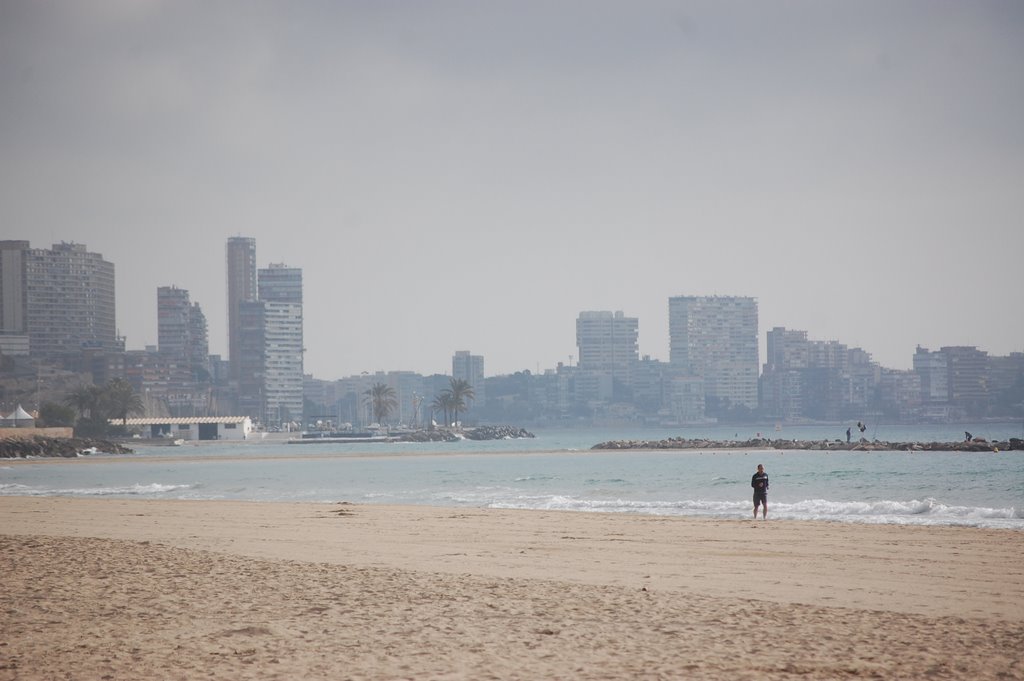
pixel 152 489
pixel 913 512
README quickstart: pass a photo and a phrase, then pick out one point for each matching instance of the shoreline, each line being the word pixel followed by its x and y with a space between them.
pixel 779 444
pixel 298 530
pixel 78 449
pixel 258 590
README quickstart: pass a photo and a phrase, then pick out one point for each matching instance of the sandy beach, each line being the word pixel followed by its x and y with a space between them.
pixel 127 589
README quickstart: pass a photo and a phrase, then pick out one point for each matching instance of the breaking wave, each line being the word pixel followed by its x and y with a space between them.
pixel 136 490
pixel 914 512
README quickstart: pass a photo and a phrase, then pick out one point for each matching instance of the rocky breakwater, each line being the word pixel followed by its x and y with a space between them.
pixel 862 445
pixel 66 447
pixel 497 433
pixel 478 433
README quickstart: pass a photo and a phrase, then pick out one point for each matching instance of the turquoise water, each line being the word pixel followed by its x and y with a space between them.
pixel 557 470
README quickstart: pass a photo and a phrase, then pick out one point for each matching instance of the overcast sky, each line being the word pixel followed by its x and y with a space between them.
pixel 472 175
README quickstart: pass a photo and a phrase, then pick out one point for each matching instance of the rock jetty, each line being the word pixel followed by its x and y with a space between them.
pixel 497 433
pixel 478 433
pixel 66 447
pixel 862 445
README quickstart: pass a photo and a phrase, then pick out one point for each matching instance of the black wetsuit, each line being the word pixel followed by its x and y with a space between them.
pixel 760 484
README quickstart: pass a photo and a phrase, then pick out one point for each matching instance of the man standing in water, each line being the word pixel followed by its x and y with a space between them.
pixel 760 484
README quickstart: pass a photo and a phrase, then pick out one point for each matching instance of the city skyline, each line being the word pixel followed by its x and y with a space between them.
pixel 713 369
pixel 281 282
pixel 449 179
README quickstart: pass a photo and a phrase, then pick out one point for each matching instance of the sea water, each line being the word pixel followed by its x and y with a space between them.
pixel 558 470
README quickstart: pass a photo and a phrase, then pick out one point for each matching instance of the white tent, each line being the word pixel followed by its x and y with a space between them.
pixel 21 418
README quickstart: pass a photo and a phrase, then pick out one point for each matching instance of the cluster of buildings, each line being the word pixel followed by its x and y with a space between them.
pixel 828 381
pixel 57 310
pixel 57 307
pixel 714 373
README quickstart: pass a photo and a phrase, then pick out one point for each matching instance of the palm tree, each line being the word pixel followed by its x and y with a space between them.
pixel 462 393
pixel 443 403
pixel 121 400
pixel 381 400
pixel 85 399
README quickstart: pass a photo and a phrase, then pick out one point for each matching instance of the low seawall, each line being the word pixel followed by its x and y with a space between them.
pixel 29 433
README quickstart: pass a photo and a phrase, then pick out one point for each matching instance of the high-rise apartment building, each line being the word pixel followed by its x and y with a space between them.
pixel 968 377
pixel 470 368
pixel 13 287
pixel 782 381
pixel 954 380
pixel 173 377
pixel 819 380
pixel 1005 373
pixel 250 359
pixel 715 338
pixel 265 342
pixel 241 272
pixel 181 327
pixel 61 298
pixel 933 369
pixel 280 295
pixel 608 353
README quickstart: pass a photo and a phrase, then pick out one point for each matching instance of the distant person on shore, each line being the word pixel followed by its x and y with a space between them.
pixel 967 436
pixel 760 484
pixel 847 434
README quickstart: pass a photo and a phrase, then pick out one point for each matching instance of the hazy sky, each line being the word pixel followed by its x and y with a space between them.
pixel 471 175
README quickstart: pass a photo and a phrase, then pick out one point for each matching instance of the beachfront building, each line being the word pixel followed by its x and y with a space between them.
pixel 933 372
pixel 189 429
pixel 61 299
pixel 1006 373
pixel 899 395
pixel 715 338
pixel 954 381
pixel 280 294
pixel 782 393
pixel 817 380
pixel 265 336
pixel 608 356
pixel 470 368
pixel 269 347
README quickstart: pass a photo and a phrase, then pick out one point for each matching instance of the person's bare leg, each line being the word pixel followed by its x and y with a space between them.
pixel 764 511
